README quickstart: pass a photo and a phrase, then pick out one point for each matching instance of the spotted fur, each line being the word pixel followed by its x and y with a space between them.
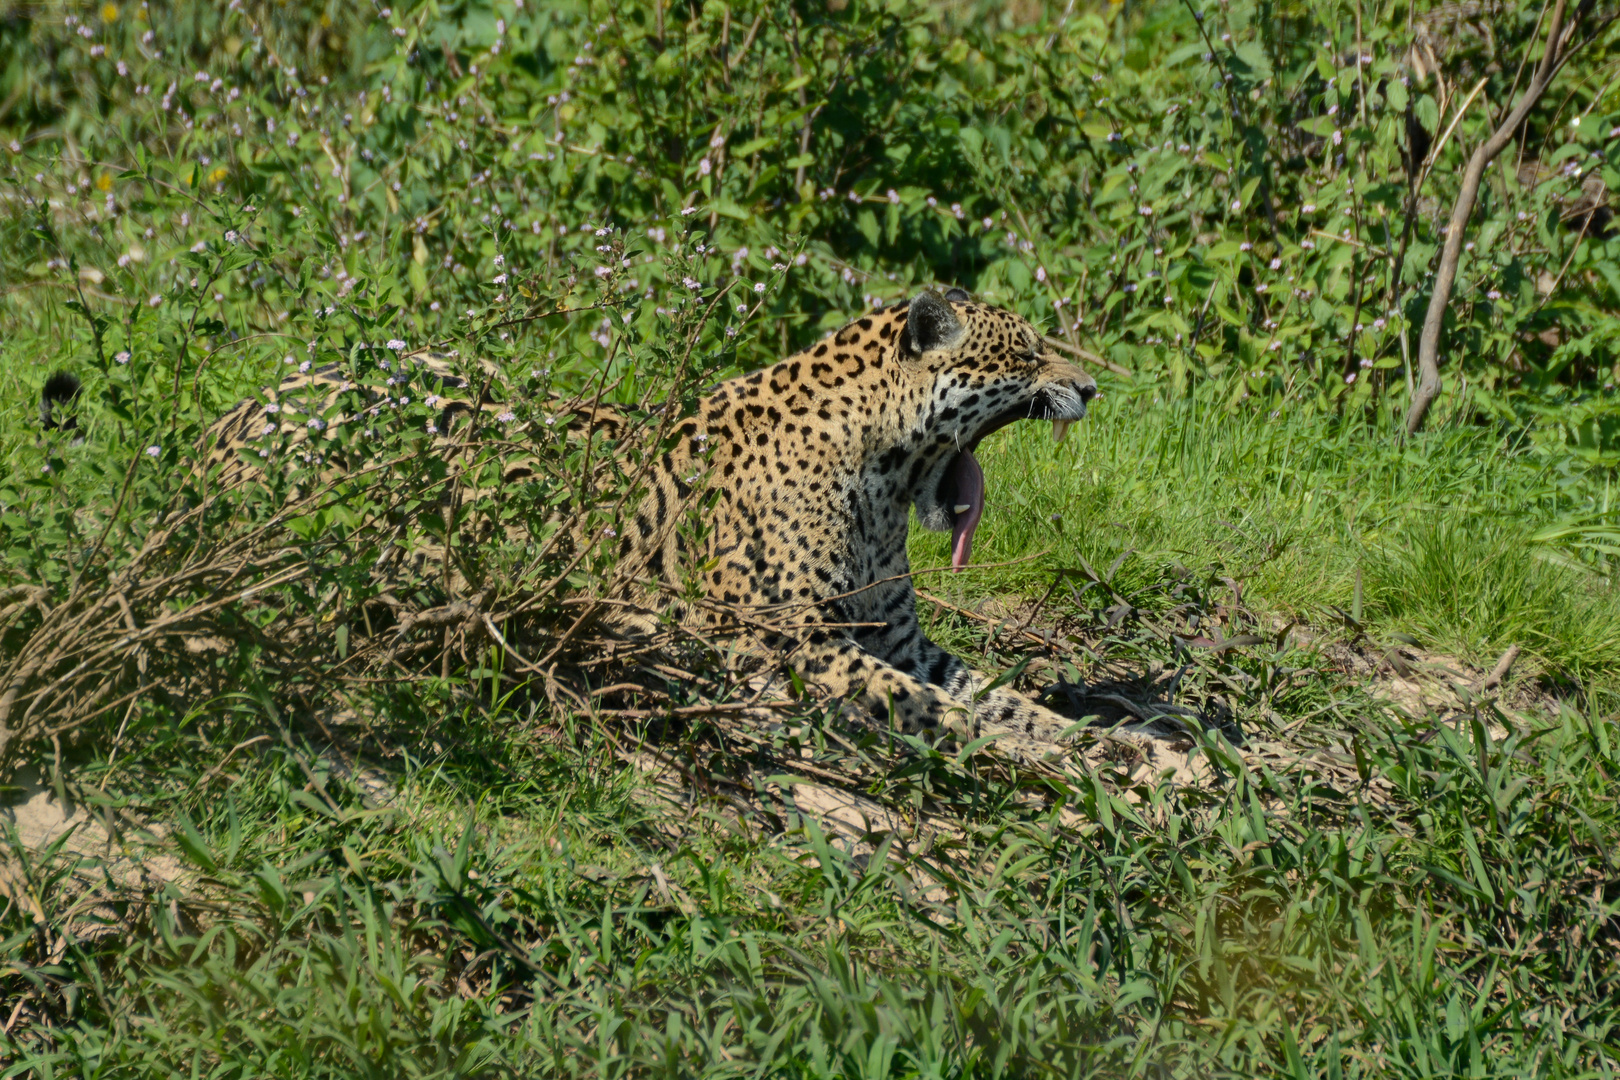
pixel 814 466
pixel 809 471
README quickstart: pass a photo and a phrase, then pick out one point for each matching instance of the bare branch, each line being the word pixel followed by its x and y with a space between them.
pixel 1559 45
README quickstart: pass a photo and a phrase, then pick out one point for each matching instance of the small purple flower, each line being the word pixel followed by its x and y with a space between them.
pixel 154 451
pixel 122 358
pixel 507 417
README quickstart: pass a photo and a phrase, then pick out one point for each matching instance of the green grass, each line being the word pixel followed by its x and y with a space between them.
pixel 1292 507
pixel 520 907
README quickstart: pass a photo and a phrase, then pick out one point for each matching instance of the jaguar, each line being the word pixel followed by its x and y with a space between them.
pixel 809 472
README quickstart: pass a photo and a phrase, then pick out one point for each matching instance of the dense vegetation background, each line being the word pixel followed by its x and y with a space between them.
pixel 1233 211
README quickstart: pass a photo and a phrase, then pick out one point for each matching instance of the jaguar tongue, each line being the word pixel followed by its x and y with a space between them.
pixel 968 508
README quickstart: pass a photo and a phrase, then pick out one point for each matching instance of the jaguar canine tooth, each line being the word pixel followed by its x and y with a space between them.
pixel 961 508
pixel 1060 428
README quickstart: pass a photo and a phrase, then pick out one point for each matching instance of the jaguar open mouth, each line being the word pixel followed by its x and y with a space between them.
pixel 962 485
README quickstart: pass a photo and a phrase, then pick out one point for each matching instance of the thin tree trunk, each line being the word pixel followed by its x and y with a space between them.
pixel 1429 343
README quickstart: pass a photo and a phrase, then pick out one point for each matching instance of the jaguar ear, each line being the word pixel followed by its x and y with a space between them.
pixel 957 296
pixel 931 324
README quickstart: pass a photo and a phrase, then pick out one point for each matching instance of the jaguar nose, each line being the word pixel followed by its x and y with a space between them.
pixel 1087 393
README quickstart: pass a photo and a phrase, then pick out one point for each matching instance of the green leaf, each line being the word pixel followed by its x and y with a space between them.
pixel 1248 191
pixel 1395 93
pixel 1250 60
pixel 867 223
pixel 1427 113
pixel 1183 54
pixel 753 146
pixel 192 843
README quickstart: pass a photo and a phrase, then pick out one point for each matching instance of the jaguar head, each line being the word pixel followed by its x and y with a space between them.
pixel 983 368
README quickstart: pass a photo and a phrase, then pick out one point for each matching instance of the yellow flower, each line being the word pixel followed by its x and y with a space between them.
pixel 218 175
pixel 104 182
pixel 109 13
pixel 326 21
